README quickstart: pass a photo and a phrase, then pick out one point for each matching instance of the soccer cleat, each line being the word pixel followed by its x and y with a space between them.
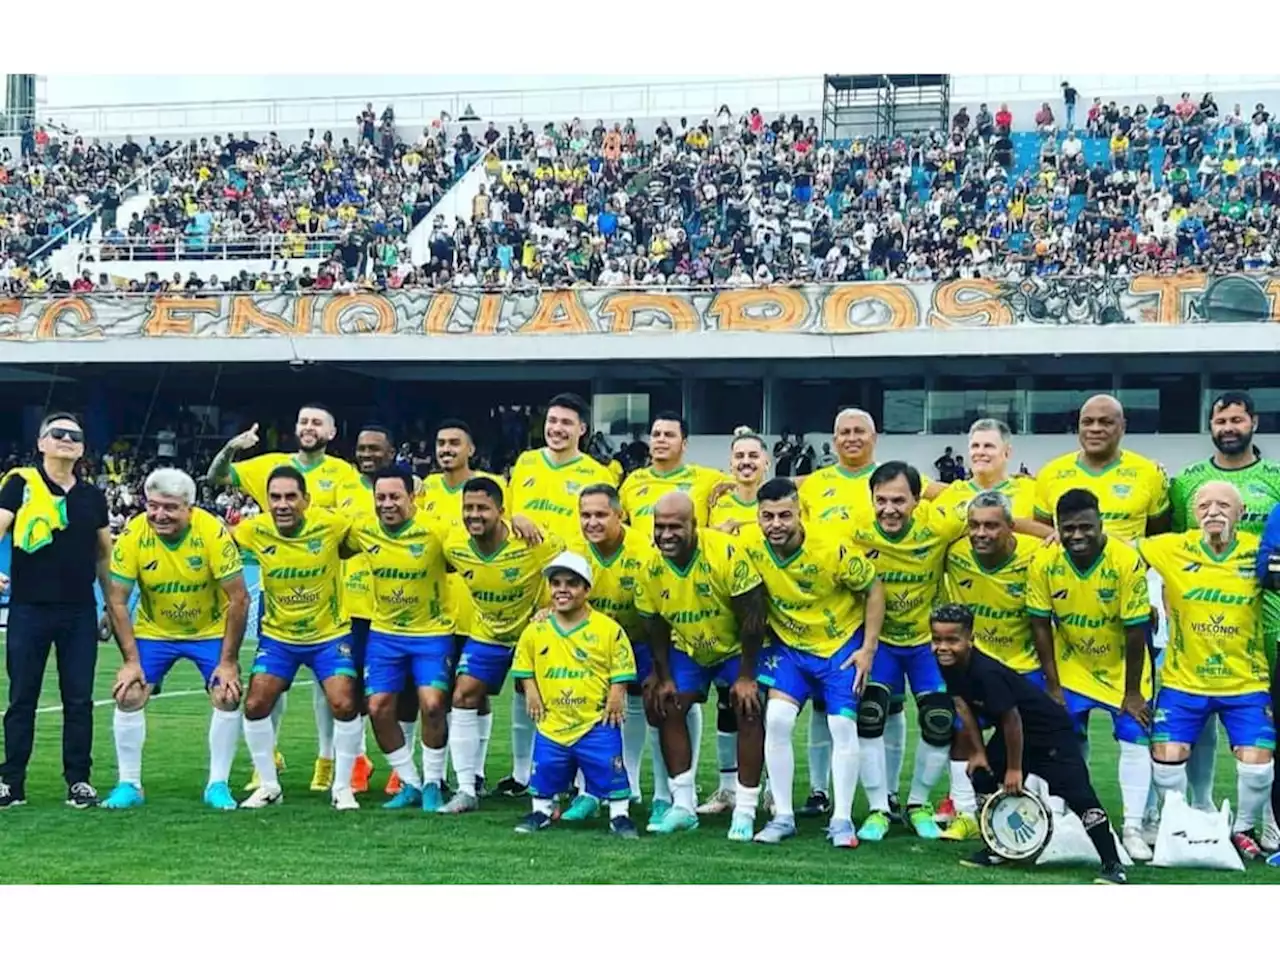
pixel 963 827
pixel 777 830
pixel 623 828
pixel 360 774
pixel 125 796
pixel 432 798
pixel 344 798
pixel 254 782
pixel 1273 860
pixel 921 820
pixel 263 797
pixel 945 812
pixel 1246 846
pixel 482 789
pixel 1134 845
pixel 82 796
pixel 1113 874
pixel 719 802
pixel 584 807
pixel 531 823
pixel 511 787
pixel 11 796
pixel 461 803
pixel 743 827
pixel 656 813
pixel 982 858
pixel 895 811
pixel 409 798
pixel 818 805
pixel 393 784
pixel 322 775
pixel 218 796
pixel 677 820
pixel 1269 839
pixel 841 832
pixel 873 828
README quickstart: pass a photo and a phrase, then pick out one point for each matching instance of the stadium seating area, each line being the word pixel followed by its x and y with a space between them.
pixel 729 202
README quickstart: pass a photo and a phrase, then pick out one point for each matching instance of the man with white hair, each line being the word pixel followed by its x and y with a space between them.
pixel 1216 663
pixel 193 606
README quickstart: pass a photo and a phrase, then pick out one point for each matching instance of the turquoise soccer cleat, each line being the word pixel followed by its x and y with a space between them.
pixel 923 823
pixel 677 820
pixel 432 798
pixel 584 807
pixel 875 827
pixel 409 798
pixel 125 796
pixel 218 796
pixel 742 828
pixel 656 813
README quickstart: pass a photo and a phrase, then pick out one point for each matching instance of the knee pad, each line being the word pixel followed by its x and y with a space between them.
pixel 897 705
pixel 873 711
pixel 937 716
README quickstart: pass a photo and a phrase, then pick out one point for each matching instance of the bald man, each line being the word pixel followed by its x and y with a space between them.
pixel 1216 663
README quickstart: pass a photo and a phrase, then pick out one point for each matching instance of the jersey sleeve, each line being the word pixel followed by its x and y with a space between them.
pixel 1178 501
pixel 1159 486
pixel 1039 603
pixel 742 573
pixel 622 661
pixel 224 558
pixel 856 572
pixel 1044 508
pixel 1154 550
pixel 645 590
pixel 124 558
pixel 522 665
pixel 1135 594
pixel 251 476
pixel 242 534
pixel 949 521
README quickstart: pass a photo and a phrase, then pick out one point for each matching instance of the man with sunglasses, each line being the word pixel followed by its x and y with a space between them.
pixel 61 541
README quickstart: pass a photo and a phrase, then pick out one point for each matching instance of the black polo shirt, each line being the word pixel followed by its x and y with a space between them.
pixel 992 689
pixel 63 570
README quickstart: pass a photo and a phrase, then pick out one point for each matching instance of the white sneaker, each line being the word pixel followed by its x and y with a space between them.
pixel 267 796
pixel 1135 845
pixel 344 798
pixel 719 802
pixel 1270 841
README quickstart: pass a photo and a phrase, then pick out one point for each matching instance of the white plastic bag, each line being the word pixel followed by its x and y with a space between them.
pixel 1195 838
pixel 1070 844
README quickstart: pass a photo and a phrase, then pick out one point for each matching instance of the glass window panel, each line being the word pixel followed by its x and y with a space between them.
pixel 1054 403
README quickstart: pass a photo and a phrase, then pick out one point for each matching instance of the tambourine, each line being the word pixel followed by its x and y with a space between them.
pixel 1016 826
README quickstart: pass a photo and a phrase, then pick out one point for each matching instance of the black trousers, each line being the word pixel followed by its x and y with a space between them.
pixel 1060 765
pixel 71 630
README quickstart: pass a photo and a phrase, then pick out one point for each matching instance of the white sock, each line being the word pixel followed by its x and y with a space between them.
pixel 727 759
pixel 1201 767
pixel 1253 792
pixel 434 760
pixel 1135 781
pixel 661 779
pixel 780 755
pixel 895 749
pixel 260 738
pixel 544 805
pixel 130 728
pixel 819 753
pixel 845 764
pixel 745 799
pixel 486 737
pixel 224 737
pixel 682 791
pixel 1169 778
pixel 619 808
pixel 407 730
pixel 580 782
pixel 633 734
pixel 521 740
pixel 324 723
pixel 402 763
pixel 871 763
pixel 277 714
pixel 364 737
pixel 931 760
pixel 346 747
pixel 464 748
pixel 693 720
pixel 962 795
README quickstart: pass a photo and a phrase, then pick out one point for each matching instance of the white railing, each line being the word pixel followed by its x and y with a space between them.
pixel 266 246
pixel 1043 86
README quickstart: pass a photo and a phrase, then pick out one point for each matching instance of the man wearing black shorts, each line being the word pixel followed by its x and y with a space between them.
pixel 1033 735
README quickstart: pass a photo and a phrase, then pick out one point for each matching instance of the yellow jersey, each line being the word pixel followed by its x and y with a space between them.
pixel 695 601
pixel 301 576
pixel 613 579
pixel 1215 614
pixel 505 586
pixel 355 499
pixel 548 494
pixel 998 601
pixel 910 565
pixel 730 507
pixel 1130 491
pixel 817 596
pixel 324 480
pixel 643 488
pixel 1091 610
pixel 179 584
pixel 1020 490
pixel 406 575
pixel 573 670
pixel 834 492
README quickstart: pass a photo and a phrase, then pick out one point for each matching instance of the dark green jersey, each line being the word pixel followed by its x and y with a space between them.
pixel 1258 483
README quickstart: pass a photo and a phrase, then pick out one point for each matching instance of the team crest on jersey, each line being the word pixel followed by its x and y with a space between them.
pixel 627 583
pixel 416 549
pixel 195 563
pixel 315 545
pixel 703 589
pixel 326 484
pixel 1121 489
pixel 572 486
pixel 1106 594
pixel 511 574
pixel 1015 589
pixel 919 552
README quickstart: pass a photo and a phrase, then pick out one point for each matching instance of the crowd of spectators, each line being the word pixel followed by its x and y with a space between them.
pixel 733 201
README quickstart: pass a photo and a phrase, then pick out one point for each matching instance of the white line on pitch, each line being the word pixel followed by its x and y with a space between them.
pixel 57 707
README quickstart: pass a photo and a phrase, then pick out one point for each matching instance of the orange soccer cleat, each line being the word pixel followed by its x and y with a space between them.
pixel 360 774
pixel 393 784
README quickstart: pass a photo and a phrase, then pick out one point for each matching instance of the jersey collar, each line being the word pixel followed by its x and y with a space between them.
pixel 175 544
pixel 1085 574
pixel 1101 471
pixel 697 549
pixel 555 624
pixel 304 468
pixel 900 536
pixel 608 561
pixel 1214 555
pixel 855 474
pixel 558 466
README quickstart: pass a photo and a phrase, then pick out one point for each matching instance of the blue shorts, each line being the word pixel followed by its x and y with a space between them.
pixel 895 667
pixel 644 660
pixel 1124 727
pixel 1180 717
pixel 360 629
pixel 804 675
pixel 333 658
pixel 157 657
pixel 391 658
pixel 487 662
pixel 598 754
pixel 691 677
